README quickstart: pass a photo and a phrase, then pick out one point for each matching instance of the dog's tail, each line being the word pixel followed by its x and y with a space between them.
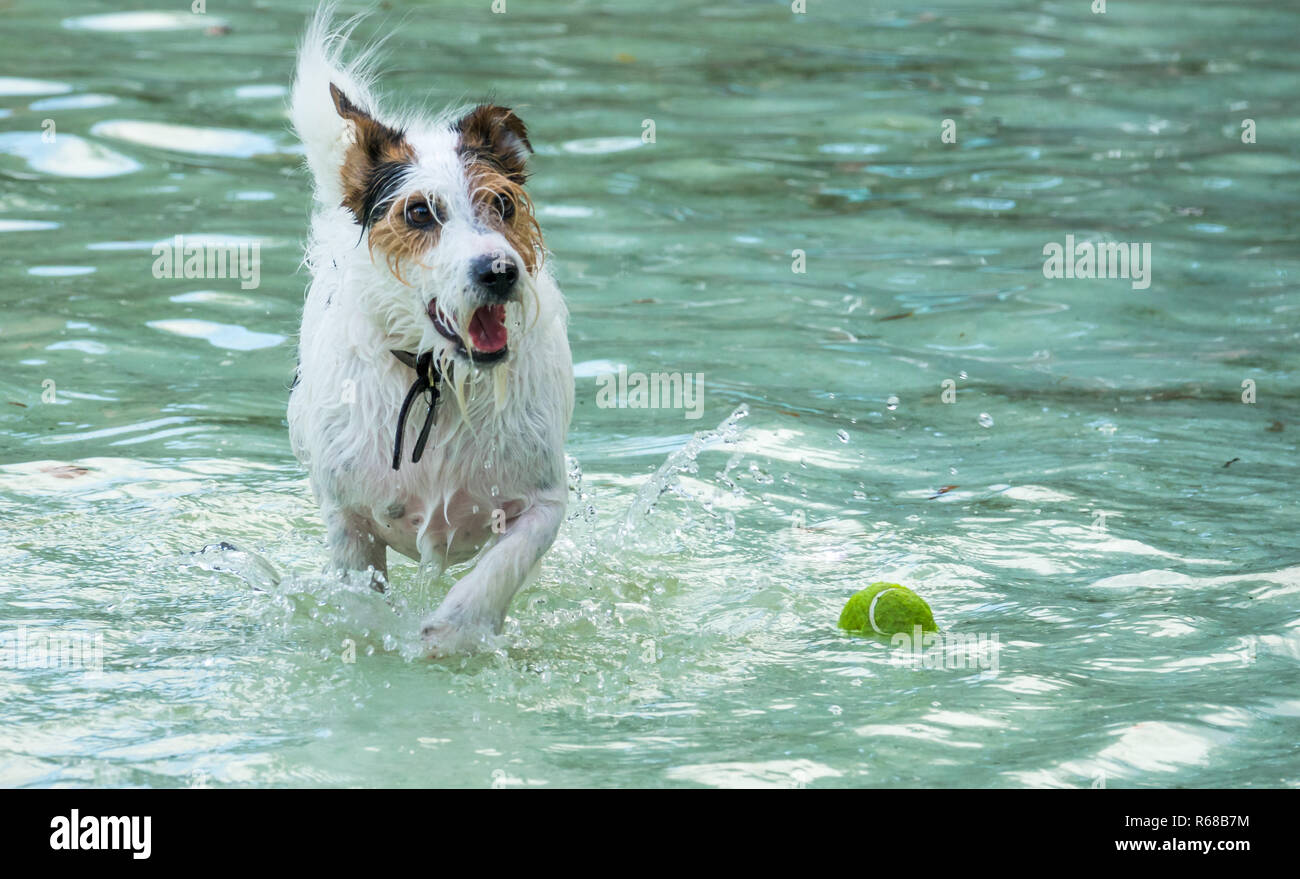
pixel 324 133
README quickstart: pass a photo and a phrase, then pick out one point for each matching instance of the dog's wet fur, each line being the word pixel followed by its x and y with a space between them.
pixel 424 239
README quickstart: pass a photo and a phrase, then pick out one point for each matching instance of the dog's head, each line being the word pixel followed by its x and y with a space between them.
pixel 443 210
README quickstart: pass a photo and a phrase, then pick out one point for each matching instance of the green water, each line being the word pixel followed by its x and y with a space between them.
pixel 1143 591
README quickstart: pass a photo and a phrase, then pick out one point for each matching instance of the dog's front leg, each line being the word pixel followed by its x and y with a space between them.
pixel 476 606
pixel 353 546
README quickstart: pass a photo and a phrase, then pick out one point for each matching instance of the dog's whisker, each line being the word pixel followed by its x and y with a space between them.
pixel 500 376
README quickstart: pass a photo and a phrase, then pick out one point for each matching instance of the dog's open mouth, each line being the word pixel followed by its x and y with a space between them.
pixel 487 332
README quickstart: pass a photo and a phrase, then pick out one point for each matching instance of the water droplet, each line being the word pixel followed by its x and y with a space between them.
pixel 843 435
pixel 986 420
pixel 891 404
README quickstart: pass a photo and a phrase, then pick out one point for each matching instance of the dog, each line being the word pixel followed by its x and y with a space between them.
pixel 434 386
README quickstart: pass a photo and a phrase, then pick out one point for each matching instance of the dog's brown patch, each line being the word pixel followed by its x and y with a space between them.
pixel 373 166
pixel 495 135
pixel 399 241
pixel 374 160
pixel 494 146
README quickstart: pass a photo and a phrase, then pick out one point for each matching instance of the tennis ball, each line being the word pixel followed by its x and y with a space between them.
pixel 886 608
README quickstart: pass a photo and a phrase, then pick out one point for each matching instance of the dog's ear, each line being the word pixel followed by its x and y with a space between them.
pixel 495 134
pixel 374 152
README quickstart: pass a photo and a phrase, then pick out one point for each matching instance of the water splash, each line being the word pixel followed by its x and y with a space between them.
pixel 682 461
pixel 225 558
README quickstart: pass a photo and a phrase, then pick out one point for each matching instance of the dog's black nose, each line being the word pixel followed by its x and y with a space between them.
pixel 496 275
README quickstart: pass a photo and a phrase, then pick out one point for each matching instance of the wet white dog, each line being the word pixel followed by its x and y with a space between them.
pixel 435 383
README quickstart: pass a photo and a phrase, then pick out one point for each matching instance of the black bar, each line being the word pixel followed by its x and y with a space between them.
pixel 850 828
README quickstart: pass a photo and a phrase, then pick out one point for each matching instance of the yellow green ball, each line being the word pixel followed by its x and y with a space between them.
pixel 886 609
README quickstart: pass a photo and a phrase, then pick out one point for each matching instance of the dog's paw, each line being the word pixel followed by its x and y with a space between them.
pixel 444 638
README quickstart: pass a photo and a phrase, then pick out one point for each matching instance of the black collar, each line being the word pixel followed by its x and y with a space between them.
pixel 427 379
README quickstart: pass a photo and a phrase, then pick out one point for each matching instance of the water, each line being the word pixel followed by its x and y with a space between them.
pixel 1075 499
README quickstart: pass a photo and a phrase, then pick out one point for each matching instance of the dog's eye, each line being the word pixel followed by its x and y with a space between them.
pixel 506 208
pixel 419 214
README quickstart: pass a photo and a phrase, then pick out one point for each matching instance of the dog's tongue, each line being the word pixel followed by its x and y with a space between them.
pixel 487 329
